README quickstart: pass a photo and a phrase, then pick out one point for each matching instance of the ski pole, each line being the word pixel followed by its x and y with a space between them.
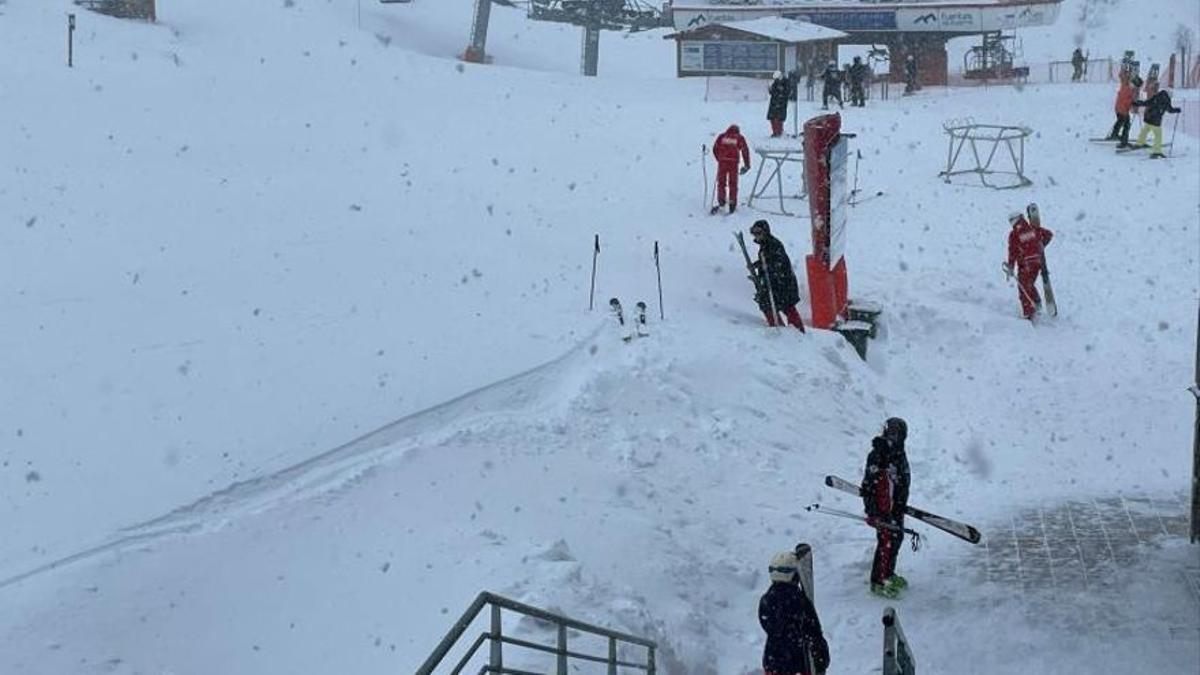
pixel 916 536
pixel 854 190
pixel 1174 128
pixel 704 169
pixel 658 271
pixel 595 254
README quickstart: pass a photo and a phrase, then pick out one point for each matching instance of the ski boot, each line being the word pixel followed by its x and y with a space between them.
pixel 884 591
pixel 897 582
pixel 1158 155
pixel 715 210
pixel 732 208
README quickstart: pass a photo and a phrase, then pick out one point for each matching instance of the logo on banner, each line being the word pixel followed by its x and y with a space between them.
pixel 926 18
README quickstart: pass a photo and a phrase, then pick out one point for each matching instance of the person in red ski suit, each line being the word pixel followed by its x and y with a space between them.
pixel 884 489
pixel 728 148
pixel 1025 244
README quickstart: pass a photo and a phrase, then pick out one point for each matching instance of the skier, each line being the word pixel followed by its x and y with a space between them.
pixel 795 644
pixel 858 76
pixel 1077 61
pixel 832 77
pixel 727 149
pixel 776 278
pixel 1126 93
pixel 1026 242
pixel 910 74
pixel 777 108
pixel 884 489
pixel 1156 106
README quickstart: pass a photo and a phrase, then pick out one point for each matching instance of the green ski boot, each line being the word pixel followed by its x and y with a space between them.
pixel 897 582
pixel 884 591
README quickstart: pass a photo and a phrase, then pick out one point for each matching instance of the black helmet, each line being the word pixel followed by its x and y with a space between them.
pixel 895 430
pixel 762 225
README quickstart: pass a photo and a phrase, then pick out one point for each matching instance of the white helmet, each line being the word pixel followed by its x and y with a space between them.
pixel 1032 210
pixel 777 75
pixel 784 567
pixel 1014 217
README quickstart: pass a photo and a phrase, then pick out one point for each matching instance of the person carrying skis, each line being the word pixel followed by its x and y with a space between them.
pixel 1126 93
pixel 884 489
pixel 775 278
pixel 777 108
pixel 832 77
pixel 858 76
pixel 1077 62
pixel 795 643
pixel 1026 243
pixel 728 148
pixel 910 74
pixel 1156 106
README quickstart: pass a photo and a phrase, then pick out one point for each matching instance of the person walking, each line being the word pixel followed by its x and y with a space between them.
pixel 858 77
pixel 778 290
pixel 795 643
pixel 1026 242
pixel 778 105
pixel 1078 60
pixel 832 79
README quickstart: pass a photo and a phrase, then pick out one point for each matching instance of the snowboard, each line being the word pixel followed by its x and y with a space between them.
pixel 961 530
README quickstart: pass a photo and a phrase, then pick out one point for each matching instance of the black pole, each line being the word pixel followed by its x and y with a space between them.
pixel 70 40
pixel 658 270
pixel 595 254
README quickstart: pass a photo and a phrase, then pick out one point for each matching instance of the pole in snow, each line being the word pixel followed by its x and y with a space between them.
pixel 658 271
pixel 595 254
pixel 70 40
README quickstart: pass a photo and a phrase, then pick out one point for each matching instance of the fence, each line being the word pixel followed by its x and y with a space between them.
pixel 562 652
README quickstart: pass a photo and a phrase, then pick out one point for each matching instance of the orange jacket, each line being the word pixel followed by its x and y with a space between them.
pixel 1125 96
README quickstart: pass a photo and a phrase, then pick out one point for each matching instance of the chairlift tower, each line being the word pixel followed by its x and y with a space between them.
pixel 591 15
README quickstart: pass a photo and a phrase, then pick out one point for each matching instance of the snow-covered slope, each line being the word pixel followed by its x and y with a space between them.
pixel 237 240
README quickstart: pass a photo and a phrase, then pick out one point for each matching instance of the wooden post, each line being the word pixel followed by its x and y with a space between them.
pixel 70 40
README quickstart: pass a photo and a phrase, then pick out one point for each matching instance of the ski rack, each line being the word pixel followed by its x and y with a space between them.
pixel 966 131
pixel 780 155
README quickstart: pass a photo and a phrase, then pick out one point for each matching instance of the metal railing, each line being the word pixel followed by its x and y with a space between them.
pixel 898 658
pixel 497 639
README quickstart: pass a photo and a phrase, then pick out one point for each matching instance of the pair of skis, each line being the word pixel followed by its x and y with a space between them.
pixel 636 326
pixel 961 530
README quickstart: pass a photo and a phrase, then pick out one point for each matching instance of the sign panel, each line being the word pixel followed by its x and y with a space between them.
pixel 1020 16
pixel 741 56
pixel 965 20
pixel 691 56
pixel 847 20
pixel 839 199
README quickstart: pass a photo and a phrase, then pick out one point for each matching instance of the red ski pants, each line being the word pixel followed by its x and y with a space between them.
pixel 793 318
pixel 886 544
pixel 727 172
pixel 1027 274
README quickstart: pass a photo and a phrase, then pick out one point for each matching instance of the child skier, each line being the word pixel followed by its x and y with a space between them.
pixel 1156 106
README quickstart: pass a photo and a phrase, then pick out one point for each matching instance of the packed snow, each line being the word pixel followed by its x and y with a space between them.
pixel 297 357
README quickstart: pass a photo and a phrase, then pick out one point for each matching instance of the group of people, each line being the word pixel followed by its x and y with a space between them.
pixel 795 642
pixel 1156 102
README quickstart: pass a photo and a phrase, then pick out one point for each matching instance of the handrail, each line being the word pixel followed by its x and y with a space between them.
pixel 898 658
pixel 497 639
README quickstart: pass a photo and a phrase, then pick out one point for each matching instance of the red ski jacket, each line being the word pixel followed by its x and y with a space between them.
pixel 1026 241
pixel 729 145
pixel 1125 96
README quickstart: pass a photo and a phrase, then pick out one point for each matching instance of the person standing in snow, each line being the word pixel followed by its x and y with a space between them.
pixel 1156 106
pixel 910 74
pixel 1026 242
pixel 885 485
pixel 795 643
pixel 777 108
pixel 728 148
pixel 776 280
pixel 1077 62
pixel 832 77
pixel 858 77
pixel 1126 93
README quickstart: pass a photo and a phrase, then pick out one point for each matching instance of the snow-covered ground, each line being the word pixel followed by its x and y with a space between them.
pixel 241 239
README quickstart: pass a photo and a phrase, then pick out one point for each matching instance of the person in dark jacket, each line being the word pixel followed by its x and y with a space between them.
pixel 1077 62
pixel 1156 106
pixel 774 278
pixel 858 77
pixel 777 108
pixel 795 642
pixel 832 77
pixel 885 485
pixel 910 75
